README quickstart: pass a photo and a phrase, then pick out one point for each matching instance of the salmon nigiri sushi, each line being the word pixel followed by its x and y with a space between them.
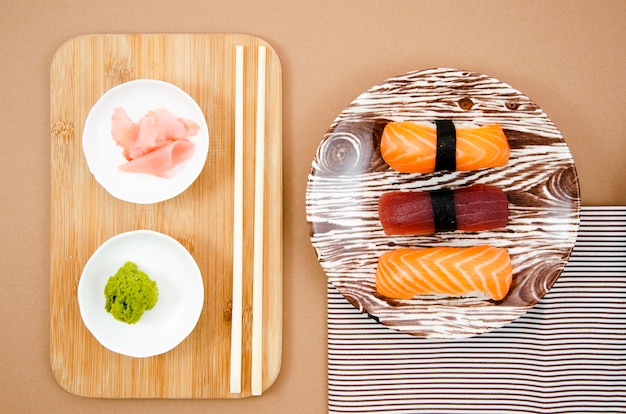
pixel 412 147
pixel 455 271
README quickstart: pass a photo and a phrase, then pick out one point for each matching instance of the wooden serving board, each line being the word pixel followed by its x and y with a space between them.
pixel 84 215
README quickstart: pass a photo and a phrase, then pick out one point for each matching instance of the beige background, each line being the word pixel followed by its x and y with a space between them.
pixel 568 56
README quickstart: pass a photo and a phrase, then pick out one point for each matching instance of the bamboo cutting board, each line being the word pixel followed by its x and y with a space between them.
pixel 84 215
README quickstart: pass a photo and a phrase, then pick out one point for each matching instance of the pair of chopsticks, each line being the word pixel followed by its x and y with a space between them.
pixel 259 196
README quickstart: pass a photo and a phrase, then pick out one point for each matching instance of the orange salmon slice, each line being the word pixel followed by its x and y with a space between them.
pixel 456 271
pixel 411 147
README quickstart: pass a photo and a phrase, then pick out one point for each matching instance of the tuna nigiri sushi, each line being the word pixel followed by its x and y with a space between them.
pixel 412 147
pixel 475 208
pixel 455 271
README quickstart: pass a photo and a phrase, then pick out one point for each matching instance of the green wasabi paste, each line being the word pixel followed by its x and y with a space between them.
pixel 129 293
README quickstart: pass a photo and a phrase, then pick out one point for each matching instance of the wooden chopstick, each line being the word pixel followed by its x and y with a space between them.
pixel 259 199
pixel 237 307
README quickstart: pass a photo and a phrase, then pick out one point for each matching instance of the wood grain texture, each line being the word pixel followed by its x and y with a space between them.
pixel 83 214
pixel 348 175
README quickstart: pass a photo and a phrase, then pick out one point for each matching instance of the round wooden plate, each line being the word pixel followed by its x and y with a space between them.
pixel 348 175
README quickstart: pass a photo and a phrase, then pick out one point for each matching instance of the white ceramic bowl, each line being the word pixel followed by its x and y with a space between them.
pixel 180 301
pixel 103 155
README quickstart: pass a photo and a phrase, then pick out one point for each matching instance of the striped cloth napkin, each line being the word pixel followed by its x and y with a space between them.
pixel 566 355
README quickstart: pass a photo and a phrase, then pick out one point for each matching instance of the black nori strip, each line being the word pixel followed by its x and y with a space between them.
pixel 444 213
pixel 445 158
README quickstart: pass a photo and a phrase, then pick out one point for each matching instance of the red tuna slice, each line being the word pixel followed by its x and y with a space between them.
pixel 404 212
pixel 481 207
pixel 475 208
pixel 161 160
